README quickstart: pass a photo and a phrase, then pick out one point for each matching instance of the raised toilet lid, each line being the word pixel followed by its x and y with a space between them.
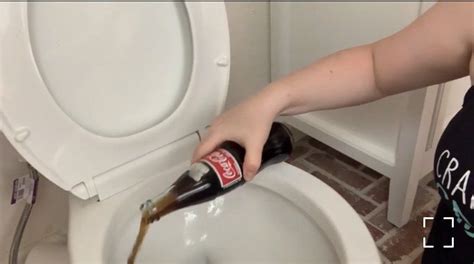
pixel 100 96
pixel 284 215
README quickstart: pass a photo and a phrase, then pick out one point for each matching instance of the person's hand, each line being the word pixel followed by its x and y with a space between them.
pixel 247 124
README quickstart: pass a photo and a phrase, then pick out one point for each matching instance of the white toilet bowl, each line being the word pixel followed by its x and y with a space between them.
pixel 108 100
pixel 284 216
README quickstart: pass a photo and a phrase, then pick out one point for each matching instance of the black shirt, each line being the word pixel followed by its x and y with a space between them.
pixel 452 234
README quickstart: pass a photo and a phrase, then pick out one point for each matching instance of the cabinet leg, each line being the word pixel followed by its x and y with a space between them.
pixel 401 198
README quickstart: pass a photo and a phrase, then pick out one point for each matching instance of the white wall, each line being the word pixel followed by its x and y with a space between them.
pixel 48 216
pixel 249 25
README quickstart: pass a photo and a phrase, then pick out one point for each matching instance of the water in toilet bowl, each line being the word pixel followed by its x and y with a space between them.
pixel 250 225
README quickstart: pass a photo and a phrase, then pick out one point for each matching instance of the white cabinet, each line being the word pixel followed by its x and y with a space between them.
pixel 396 135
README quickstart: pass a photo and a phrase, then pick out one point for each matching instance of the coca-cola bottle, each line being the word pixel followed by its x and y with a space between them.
pixel 216 174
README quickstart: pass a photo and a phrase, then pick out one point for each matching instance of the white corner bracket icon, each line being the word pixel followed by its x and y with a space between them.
pixel 451 219
pixel 452 226
pixel 426 218
pixel 452 244
pixel 425 245
pixel 424 227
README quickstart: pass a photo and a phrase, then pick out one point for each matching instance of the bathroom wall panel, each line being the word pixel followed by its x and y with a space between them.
pixel 249 26
pixel 49 216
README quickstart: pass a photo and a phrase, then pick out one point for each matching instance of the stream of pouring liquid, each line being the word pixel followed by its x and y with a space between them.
pixel 144 224
pixel 160 208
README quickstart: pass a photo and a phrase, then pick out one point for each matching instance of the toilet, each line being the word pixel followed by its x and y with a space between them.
pixel 108 101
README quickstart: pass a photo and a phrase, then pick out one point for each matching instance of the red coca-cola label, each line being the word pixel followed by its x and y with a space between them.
pixel 225 166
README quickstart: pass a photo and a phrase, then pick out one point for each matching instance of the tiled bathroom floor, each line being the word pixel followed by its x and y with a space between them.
pixel 367 192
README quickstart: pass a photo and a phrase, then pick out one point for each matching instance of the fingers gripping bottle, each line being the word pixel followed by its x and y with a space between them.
pixel 216 174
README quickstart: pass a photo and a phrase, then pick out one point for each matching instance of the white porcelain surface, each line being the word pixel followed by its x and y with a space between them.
pixel 284 216
pixel 71 75
pixel 129 65
pixel 251 225
pixel 48 253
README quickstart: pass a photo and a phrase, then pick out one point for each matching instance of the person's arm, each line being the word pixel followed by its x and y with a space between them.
pixel 435 48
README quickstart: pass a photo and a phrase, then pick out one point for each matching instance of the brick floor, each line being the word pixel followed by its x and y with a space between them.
pixel 367 192
pixel 374 231
pixel 300 164
pixel 380 221
pixel 371 172
pixel 379 192
pixel 298 151
pixel 406 239
pixel 352 178
pixel 361 205
pixel 324 161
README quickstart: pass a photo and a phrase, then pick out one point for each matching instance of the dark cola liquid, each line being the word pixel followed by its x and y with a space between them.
pixel 160 208
pixel 216 174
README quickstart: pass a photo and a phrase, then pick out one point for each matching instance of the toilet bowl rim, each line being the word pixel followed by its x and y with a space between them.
pixel 343 226
pixel 345 230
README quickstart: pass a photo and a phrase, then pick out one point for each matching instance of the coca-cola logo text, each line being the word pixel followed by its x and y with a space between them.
pixel 224 163
pixel 226 167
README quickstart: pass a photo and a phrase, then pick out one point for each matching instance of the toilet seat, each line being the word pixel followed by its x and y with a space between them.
pixel 241 227
pixel 49 121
